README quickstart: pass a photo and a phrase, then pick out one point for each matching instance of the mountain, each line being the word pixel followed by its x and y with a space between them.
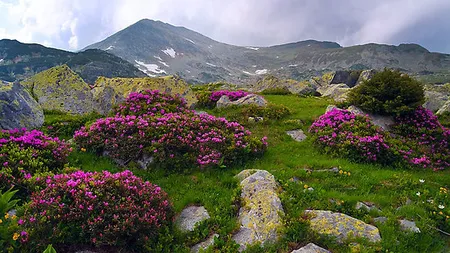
pixel 19 61
pixel 158 48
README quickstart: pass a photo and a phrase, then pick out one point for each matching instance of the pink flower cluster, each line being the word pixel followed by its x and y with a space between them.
pixel 175 138
pixel 343 133
pixel 232 95
pixel 106 209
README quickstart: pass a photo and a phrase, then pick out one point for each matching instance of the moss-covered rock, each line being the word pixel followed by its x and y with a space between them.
pixel 17 108
pixel 261 208
pixel 59 88
pixel 108 92
pixel 271 82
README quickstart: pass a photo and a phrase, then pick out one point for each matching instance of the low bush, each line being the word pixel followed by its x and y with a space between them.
pixel 388 93
pixel 96 208
pixel 64 125
pixel 276 91
pixel 174 140
pixel 24 154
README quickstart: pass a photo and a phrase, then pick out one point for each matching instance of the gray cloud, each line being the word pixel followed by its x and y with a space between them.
pixel 73 24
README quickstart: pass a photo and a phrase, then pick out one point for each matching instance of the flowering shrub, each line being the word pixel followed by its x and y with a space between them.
pixel 25 153
pixel 428 139
pixel 96 208
pixel 151 103
pixel 173 140
pixel 341 132
pixel 210 98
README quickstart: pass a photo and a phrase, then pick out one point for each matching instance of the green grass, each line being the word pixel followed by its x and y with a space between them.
pixel 216 189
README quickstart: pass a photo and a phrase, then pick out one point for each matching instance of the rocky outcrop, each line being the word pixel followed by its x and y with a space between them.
pixel 251 99
pixel 18 109
pixel 384 122
pixel 347 77
pixel 298 135
pixel 341 226
pixel 365 75
pixel 311 248
pixel 204 245
pixel 190 217
pixel 338 92
pixel 270 82
pixel 61 89
pixel 259 215
pixel 444 109
pixel 435 100
pixel 108 92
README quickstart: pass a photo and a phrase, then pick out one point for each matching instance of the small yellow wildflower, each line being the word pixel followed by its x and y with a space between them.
pixel 448 217
pixel 83 150
pixel 306 186
pixel 441 213
pixel 13 217
pixel 340 172
pixel 345 172
pixel 7 216
pixel 16 236
pixel 1 221
pixel 348 174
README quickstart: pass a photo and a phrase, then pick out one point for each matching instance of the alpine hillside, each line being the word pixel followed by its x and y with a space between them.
pixel 158 48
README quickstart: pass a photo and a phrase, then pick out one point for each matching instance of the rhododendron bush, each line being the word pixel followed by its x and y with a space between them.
pixel 98 208
pixel 26 153
pixel 175 138
pixel 419 140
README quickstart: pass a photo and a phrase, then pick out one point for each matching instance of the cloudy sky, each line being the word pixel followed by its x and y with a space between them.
pixel 74 24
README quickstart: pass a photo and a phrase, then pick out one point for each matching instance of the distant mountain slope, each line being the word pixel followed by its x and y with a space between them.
pixel 158 48
pixel 19 60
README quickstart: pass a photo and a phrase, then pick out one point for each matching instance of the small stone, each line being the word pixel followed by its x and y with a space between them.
pixel 409 226
pixel 334 169
pixel 145 161
pixel 366 206
pixel 311 248
pixel 190 217
pixel 310 189
pixel 204 245
pixel 255 119
pixel 200 112
pixel 297 135
pixel 381 219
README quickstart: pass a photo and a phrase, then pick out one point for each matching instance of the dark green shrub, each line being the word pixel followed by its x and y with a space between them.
pixel 276 91
pixel 64 125
pixel 388 93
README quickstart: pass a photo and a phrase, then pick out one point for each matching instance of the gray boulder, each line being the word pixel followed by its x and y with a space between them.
pixel 445 108
pixel 341 226
pixel 190 217
pixel 18 109
pixel 298 135
pixel 435 100
pixel 259 215
pixel 204 245
pixel 409 226
pixel 251 99
pixel 338 92
pixel 365 75
pixel 311 248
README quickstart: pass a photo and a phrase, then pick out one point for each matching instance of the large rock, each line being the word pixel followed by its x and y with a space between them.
pixel 59 88
pixel 341 226
pixel 444 109
pixel 365 75
pixel 338 92
pixel 311 248
pixel 251 99
pixel 348 77
pixel 190 217
pixel 259 215
pixel 17 108
pixel 435 100
pixel 204 245
pixel 295 87
pixel 111 91
pixel 298 135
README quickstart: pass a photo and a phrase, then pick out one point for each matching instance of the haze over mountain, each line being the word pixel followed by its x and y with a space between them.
pixel 157 48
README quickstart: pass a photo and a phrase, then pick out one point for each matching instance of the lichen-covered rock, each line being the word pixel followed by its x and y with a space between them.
pixel 311 248
pixel 259 215
pixel 59 88
pixel 18 109
pixel 111 91
pixel 341 226
pixel 338 92
pixel 365 75
pixel 385 122
pixel 445 108
pixel 190 217
pixel 270 82
pixel 204 245
pixel 251 99
pixel 297 135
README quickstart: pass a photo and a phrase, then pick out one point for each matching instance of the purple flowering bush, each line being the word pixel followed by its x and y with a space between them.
pixel 210 98
pixel 340 132
pixel 151 103
pixel 175 138
pixel 428 139
pixel 26 153
pixel 97 208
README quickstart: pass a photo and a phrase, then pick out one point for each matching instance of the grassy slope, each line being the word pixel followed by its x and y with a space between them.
pixel 388 187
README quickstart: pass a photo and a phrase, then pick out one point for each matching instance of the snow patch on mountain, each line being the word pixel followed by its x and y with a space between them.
pixel 163 63
pixel 157 57
pixel 190 40
pixel 147 68
pixel 212 65
pixel 261 71
pixel 293 65
pixel 248 73
pixel 253 48
pixel 170 52
pixel 1 60
pixel 109 48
